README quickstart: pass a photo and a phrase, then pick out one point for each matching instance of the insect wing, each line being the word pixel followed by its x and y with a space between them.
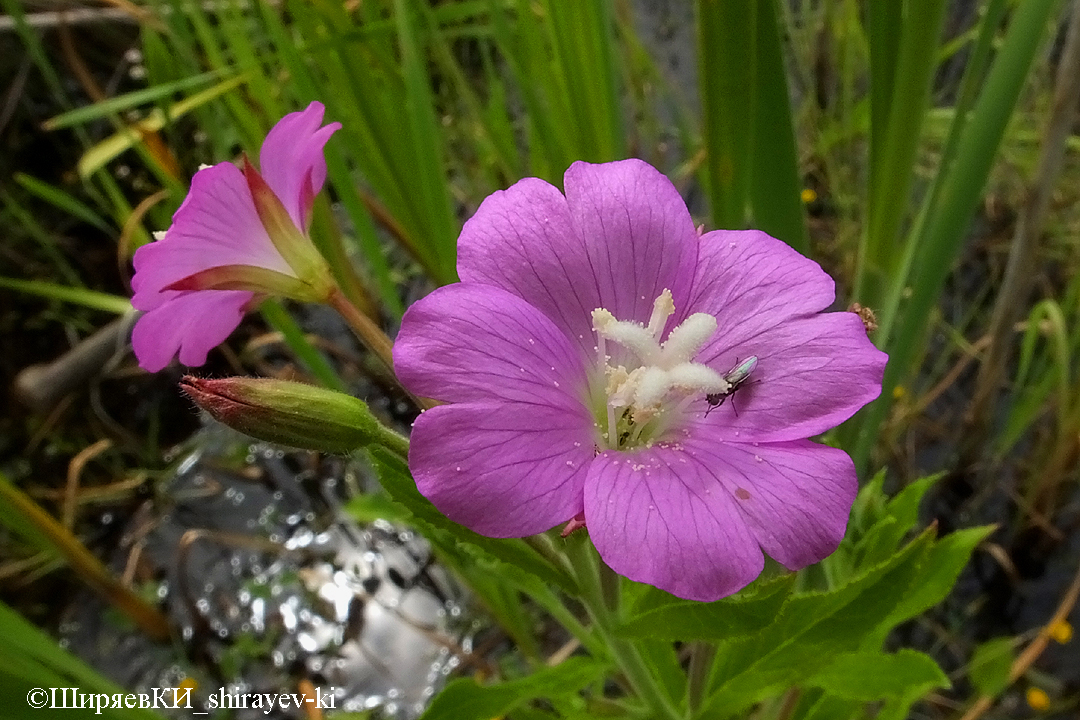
pixel 738 374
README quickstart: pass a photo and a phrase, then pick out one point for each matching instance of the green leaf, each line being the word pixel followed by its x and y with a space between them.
pixel 944 562
pixel 724 619
pixel 30 659
pixel 79 296
pixel 775 191
pixel 399 485
pixel 902 512
pixel 869 505
pixel 119 103
pixel 871 676
pixel 463 699
pixel 63 200
pixel 810 629
pixel 585 74
pixel 105 151
pixel 727 48
pixel 663 661
pixel 905 504
pixel 941 231
pixel 829 707
pixel 376 506
pixel 911 31
pixel 990 666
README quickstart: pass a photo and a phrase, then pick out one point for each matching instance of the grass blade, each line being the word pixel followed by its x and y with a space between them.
pixel 944 232
pixel 78 295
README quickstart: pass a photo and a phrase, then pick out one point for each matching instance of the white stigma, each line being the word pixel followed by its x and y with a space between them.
pixel 659 378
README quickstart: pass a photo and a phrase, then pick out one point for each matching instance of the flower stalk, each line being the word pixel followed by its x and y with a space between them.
pixel 596 579
pixel 373 338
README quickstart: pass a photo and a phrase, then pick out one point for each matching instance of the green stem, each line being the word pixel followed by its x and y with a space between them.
pixel 394 442
pixel 546 549
pixel 365 328
pixel 701 661
pixel 373 338
pixel 551 602
pixel 594 587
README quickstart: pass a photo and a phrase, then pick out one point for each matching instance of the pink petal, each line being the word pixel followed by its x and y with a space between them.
pixel 502 469
pixel 467 342
pixel 794 497
pixel 292 161
pixel 620 237
pixel 216 225
pixel 750 281
pixel 658 517
pixel 191 323
pixel 812 374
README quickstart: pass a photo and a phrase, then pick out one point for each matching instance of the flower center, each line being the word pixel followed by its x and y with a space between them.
pixel 649 386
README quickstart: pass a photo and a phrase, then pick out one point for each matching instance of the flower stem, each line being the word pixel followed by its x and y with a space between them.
pixel 394 442
pixel 596 581
pixel 372 336
pixel 542 545
pixel 701 661
pixel 368 332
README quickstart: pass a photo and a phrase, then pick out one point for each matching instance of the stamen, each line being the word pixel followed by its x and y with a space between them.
pixel 687 339
pixel 663 308
pixel 652 387
pixel 700 378
pixel 635 338
pixel 604 319
pixel 644 397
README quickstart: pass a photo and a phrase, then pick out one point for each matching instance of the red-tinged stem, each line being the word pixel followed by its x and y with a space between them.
pixel 372 336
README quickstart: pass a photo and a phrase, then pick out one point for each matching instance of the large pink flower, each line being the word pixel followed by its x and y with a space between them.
pixel 237 237
pixel 577 357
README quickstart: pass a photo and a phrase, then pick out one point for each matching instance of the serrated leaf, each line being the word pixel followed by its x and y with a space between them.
pixel 904 506
pixel 990 666
pixel 463 699
pixel 868 676
pixel 897 519
pixel 944 562
pixel 812 627
pixel 720 620
pixel 398 483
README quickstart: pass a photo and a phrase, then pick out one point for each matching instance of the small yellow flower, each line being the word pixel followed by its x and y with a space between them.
pixel 899 392
pixel 1061 631
pixel 808 195
pixel 1037 699
pixel 188 683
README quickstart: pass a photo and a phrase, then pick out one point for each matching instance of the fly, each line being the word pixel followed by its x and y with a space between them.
pixel 735 377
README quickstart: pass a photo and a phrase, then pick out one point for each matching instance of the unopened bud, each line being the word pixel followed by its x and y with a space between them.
pixel 292 413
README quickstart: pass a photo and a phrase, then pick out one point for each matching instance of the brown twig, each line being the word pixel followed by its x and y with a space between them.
pixel 75 468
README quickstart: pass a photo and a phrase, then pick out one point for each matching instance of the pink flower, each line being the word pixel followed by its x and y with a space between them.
pixel 577 357
pixel 236 238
